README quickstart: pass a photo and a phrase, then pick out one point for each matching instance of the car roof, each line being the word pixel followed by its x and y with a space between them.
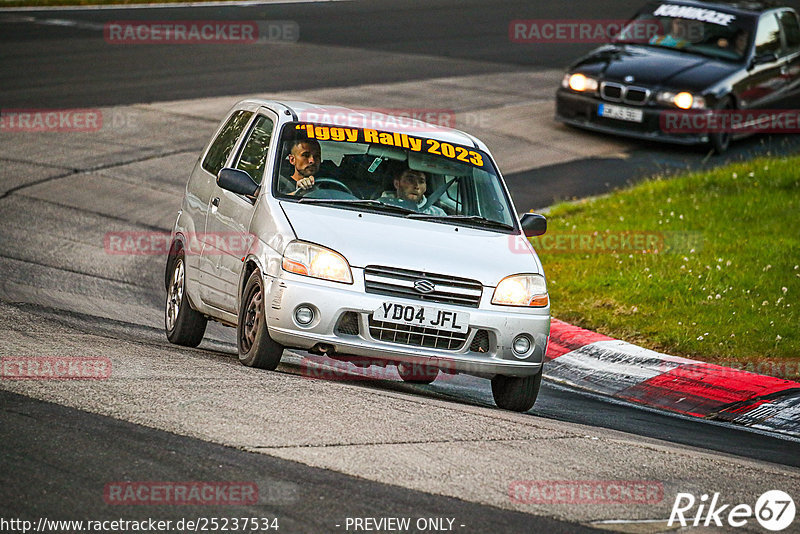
pixel 751 7
pixel 374 118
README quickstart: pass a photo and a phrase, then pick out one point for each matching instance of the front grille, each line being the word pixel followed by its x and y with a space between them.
pixel 395 282
pixel 611 91
pixel 615 92
pixel 636 95
pixel 415 335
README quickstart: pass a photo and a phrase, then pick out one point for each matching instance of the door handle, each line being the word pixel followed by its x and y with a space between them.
pixel 215 202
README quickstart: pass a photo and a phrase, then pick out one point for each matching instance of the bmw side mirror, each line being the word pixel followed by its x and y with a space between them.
pixel 533 224
pixel 762 59
pixel 237 181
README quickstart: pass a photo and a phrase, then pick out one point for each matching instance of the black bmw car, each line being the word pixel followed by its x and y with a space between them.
pixel 712 61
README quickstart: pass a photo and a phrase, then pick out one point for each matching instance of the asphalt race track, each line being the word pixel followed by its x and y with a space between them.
pixel 320 451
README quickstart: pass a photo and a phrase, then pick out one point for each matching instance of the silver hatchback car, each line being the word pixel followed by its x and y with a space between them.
pixel 359 235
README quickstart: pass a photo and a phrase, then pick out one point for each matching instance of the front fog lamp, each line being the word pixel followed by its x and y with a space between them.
pixel 681 100
pixel 521 345
pixel 316 261
pixel 303 315
pixel 579 82
pixel 521 290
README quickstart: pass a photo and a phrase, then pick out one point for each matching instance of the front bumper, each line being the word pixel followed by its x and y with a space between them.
pixel 331 301
pixel 582 111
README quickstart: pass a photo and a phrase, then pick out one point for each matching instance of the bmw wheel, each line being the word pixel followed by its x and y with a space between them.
pixel 720 141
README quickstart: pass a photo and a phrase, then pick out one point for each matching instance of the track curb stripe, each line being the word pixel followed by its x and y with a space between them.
pixel 587 360
pixel 568 338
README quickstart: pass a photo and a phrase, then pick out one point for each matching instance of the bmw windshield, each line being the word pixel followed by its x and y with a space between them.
pixel 400 174
pixel 708 32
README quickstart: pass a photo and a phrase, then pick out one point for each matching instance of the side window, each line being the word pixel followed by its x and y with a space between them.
pixel 223 144
pixel 768 37
pixel 791 30
pixel 253 158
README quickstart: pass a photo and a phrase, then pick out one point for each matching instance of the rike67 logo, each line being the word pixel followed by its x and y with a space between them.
pixel 774 511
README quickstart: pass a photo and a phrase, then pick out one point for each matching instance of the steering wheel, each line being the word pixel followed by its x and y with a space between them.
pixel 318 182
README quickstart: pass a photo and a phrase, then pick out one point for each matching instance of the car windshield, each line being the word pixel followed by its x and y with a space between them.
pixel 708 32
pixel 400 174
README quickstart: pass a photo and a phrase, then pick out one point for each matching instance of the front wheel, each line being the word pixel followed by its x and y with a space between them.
pixel 517 394
pixel 720 141
pixel 256 347
pixel 184 325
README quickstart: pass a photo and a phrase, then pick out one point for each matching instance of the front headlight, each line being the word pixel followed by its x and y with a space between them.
pixel 579 82
pixel 317 262
pixel 521 290
pixel 682 100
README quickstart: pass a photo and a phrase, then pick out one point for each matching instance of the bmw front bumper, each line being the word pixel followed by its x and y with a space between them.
pixel 582 111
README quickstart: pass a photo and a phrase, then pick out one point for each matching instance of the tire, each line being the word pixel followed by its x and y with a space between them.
pixel 517 394
pixel 183 325
pixel 415 373
pixel 256 347
pixel 720 141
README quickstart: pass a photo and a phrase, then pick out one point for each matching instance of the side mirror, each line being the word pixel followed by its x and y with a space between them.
pixel 762 59
pixel 236 181
pixel 533 224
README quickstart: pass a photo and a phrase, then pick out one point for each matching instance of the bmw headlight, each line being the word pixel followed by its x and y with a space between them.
pixel 682 100
pixel 579 82
pixel 317 262
pixel 521 290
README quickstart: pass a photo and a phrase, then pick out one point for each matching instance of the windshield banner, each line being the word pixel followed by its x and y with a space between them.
pixel 392 139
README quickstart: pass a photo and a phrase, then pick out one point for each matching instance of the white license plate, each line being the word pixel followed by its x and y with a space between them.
pixel 423 316
pixel 622 113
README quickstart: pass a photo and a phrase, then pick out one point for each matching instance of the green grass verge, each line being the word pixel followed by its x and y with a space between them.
pixel 715 275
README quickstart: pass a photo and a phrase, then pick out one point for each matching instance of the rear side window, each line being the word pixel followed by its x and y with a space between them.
pixel 768 38
pixel 223 144
pixel 791 30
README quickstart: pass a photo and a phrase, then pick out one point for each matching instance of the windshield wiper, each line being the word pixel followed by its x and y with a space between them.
pixel 359 203
pixel 482 221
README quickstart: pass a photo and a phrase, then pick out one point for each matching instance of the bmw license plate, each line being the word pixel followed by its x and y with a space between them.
pixel 423 316
pixel 623 113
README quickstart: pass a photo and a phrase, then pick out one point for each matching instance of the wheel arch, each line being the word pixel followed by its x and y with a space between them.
pixel 251 263
pixel 178 244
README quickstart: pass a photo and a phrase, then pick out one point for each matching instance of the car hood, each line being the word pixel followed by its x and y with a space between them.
pixel 366 238
pixel 656 67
